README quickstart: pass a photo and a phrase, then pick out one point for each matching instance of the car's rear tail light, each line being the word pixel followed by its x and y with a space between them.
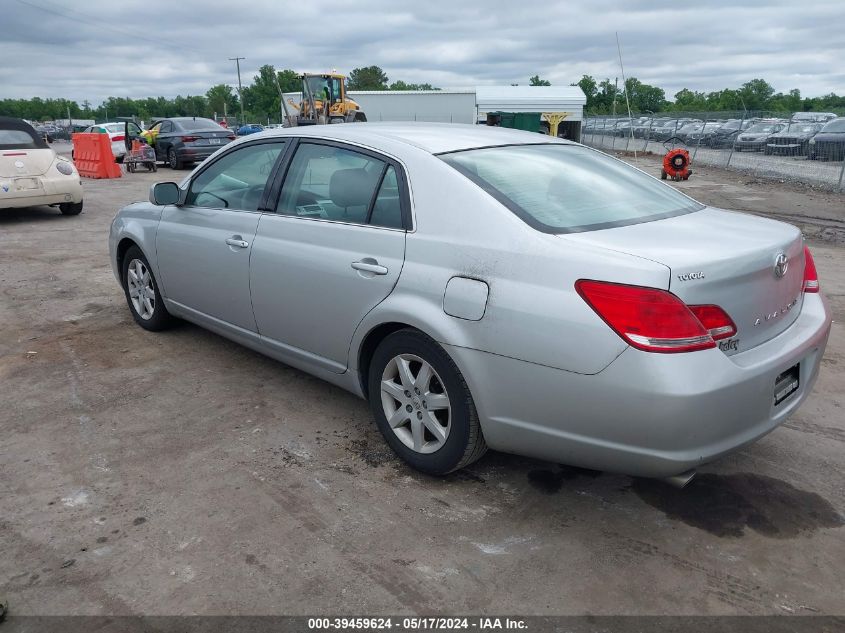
pixel 119 137
pixel 811 277
pixel 649 319
pixel 231 137
pixel 190 139
pixel 715 320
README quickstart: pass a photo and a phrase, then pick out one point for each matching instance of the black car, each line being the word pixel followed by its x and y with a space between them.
pixel 725 135
pixel 702 135
pixel 754 139
pixel 829 143
pixel 792 141
pixel 182 140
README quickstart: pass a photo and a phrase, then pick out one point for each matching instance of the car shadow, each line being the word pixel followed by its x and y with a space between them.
pixel 31 214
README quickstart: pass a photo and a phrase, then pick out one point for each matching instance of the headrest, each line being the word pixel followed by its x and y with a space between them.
pixel 351 187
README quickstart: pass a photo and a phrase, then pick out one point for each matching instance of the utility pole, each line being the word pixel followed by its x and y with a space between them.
pixel 237 61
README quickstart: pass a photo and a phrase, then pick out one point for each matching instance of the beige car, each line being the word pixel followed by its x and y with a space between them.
pixel 32 174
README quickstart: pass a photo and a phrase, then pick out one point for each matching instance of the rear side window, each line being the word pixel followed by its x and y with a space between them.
pixel 332 183
pixel 387 210
pixel 559 188
pixel 17 139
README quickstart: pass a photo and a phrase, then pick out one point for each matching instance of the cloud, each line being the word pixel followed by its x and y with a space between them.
pixel 96 49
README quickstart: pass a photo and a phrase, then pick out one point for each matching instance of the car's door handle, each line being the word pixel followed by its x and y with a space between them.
pixel 371 266
pixel 236 240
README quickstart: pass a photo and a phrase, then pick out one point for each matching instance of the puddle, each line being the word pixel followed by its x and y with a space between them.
pixel 551 481
pixel 727 505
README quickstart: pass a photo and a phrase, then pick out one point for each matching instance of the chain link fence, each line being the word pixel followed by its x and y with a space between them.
pixel 804 147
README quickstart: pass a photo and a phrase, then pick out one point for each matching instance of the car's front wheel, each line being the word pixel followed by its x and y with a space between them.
pixel 422 404
pixel 142 292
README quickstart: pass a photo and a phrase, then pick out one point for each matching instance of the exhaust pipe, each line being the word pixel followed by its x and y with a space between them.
pixel 679 481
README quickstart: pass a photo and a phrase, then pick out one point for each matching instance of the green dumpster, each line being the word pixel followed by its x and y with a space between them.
pixel 528 121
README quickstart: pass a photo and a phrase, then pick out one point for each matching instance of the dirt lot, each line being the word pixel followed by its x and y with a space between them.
pixel 179 473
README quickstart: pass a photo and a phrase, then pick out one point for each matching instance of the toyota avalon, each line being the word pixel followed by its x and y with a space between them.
pixel 483 287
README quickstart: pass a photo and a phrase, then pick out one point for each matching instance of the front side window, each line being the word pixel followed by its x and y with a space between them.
pixel 332 183
pixel 236 180
pixel 567 188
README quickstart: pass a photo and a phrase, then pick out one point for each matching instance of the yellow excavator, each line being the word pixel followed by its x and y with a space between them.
pixel 323 100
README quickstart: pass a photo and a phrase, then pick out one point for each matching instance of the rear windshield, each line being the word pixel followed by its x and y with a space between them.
pixel 560 188
pixel 192 125
pixel 18 139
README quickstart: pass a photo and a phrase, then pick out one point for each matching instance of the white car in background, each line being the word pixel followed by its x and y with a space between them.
pixel 117 135
pixel 32 174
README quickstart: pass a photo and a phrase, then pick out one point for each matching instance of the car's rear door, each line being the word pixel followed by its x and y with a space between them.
pixel 204 245
pixel 331 252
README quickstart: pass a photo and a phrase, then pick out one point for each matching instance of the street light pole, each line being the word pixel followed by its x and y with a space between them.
pixel 237 61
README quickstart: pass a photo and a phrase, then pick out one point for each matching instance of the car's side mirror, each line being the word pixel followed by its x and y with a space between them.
pixel 164 193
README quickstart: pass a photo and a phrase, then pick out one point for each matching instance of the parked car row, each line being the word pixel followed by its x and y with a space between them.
pixel 815 135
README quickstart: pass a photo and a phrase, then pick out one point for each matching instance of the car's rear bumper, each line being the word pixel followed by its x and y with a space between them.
pixel 196 154
pixel 51 191
pixel 653 415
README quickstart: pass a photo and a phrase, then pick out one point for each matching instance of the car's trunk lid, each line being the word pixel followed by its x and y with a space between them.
pixel 723 258
pixel 16 163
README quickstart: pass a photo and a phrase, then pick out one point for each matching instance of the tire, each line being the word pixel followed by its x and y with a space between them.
pixel 153 320
pixel 663 174
pixel 463 443
pixel 71 208
pixel 173 160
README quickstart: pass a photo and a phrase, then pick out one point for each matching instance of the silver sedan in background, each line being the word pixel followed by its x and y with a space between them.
pixel 484 287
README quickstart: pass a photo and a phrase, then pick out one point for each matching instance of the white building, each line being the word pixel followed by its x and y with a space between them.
pixel 472 105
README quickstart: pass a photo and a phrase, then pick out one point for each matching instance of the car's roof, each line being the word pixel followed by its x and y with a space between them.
pixel 435 138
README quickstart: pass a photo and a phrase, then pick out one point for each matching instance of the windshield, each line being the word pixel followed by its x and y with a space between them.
pixel 765 127
pixel 319 86
pixel 801 127
pixel 835 126
pixel 559 188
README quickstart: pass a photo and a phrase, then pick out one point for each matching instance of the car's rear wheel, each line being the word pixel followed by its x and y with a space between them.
pixel 422 404
pixel 71 208
pixel 142 292
pixel 173 159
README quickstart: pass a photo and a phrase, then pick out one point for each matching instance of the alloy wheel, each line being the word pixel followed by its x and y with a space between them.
pixel 141 289
pixel 415 403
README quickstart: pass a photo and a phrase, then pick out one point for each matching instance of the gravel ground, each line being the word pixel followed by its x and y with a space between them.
pixel 179 473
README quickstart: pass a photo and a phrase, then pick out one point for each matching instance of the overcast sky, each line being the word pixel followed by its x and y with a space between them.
pixel 91 49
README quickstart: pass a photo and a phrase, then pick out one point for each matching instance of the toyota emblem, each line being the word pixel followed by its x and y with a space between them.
pixel 781 264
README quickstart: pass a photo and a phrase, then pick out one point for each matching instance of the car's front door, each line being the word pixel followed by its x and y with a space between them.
pixel 204 245
pixel 332 251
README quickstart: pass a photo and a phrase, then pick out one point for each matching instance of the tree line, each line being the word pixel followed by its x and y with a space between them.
pixel 261 98
pixel 754 95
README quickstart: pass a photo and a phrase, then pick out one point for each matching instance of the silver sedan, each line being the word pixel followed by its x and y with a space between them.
pixel 483 287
